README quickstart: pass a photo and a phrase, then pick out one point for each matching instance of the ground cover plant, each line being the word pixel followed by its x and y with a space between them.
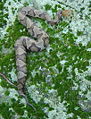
pixel 59 78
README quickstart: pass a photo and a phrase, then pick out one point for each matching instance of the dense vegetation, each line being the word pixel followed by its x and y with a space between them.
pixel 59 78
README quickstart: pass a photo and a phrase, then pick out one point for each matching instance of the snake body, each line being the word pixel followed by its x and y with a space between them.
pixel 25 43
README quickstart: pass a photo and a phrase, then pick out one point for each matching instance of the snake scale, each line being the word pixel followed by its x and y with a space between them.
pixel 24 44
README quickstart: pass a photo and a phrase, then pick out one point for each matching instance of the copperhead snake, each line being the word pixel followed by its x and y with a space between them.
pixel 24 44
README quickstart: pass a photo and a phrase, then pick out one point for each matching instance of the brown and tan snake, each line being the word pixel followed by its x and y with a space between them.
pixel 24 44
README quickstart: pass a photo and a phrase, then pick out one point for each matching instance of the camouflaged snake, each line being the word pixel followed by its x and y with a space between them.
pixel 24 44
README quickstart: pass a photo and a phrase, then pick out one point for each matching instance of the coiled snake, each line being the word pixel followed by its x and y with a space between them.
pixel 25 43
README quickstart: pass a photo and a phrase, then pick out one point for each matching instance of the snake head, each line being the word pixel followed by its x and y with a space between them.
pixel 67 13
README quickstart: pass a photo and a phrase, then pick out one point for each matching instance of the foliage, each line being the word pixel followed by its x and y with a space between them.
pixel 56 76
